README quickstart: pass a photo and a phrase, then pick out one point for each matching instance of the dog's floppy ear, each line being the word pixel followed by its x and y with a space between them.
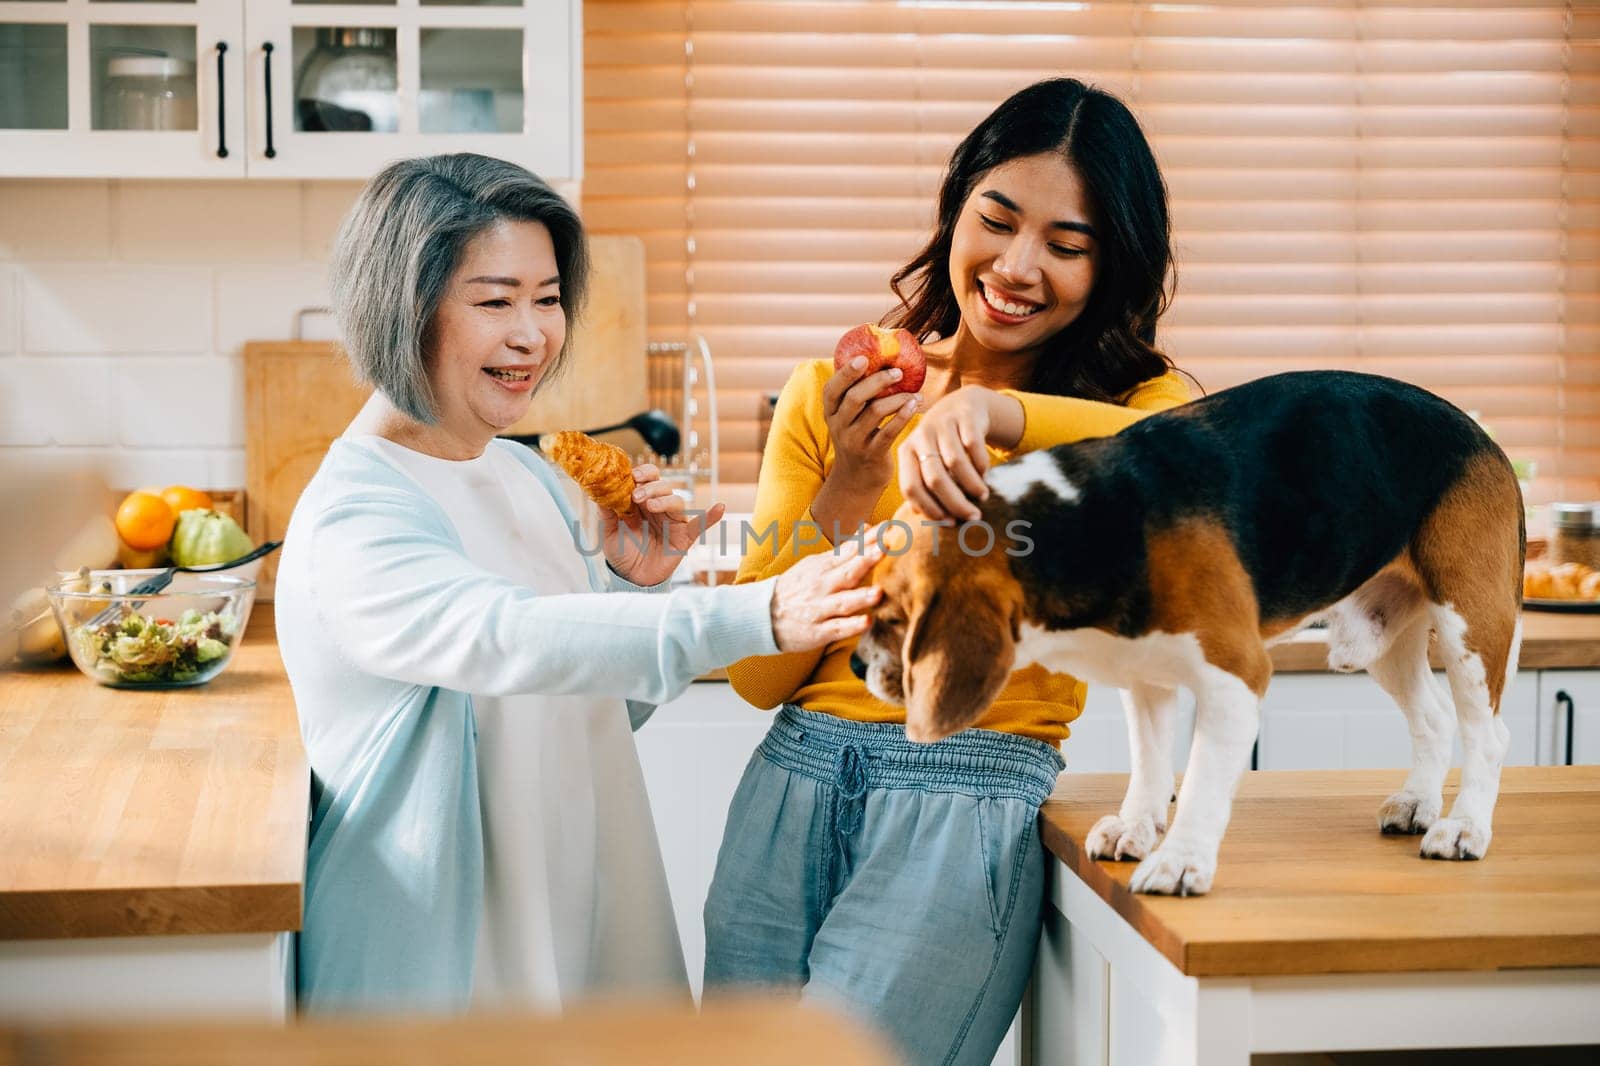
pixel 958 656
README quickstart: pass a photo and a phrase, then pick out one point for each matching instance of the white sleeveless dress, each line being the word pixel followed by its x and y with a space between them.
pixel 575 893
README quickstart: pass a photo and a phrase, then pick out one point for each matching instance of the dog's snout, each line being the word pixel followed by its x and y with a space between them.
pixel 858 666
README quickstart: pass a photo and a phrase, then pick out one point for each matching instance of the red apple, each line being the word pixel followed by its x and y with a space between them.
pixel 884 348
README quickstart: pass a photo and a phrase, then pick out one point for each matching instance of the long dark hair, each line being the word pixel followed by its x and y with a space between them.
pixel 1111 346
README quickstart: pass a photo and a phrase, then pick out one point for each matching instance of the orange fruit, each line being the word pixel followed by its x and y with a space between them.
pixel 145 521
pixel 182 498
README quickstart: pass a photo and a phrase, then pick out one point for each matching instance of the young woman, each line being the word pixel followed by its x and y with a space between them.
pixel 905 881
pixel 464 674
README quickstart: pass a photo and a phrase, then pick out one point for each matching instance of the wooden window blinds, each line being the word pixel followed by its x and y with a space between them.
pixel 1409 189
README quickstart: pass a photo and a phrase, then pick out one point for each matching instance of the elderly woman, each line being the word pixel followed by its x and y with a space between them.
pixel 466 675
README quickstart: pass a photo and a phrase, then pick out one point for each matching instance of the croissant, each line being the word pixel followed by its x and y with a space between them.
pixel 1537 584
pixel 1566 577
pixel 602 471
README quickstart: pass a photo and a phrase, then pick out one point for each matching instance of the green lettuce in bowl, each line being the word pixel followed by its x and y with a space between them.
pixel 136 649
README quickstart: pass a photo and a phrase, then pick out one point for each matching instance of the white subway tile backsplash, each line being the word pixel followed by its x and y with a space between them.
pixel 55 220
pixel 207 221
pixel 170 402
pixel 260 303
pixel 131 468
pixel 95 308
pixel 227 469
pixel 324 205
pixel 54 401
pixel 10 329
pixel 124 306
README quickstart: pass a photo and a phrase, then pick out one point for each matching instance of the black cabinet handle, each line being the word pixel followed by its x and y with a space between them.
pixel 1563 698
pixel 222 107
pixel 266 48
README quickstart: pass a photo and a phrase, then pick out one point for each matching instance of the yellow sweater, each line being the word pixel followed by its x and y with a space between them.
pixel 799 455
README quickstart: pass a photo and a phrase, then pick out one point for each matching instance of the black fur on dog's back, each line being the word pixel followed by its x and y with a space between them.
pixel 1319 478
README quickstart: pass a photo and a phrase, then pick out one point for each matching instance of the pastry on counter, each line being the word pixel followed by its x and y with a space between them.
pixel 1544 580
pixel 603 471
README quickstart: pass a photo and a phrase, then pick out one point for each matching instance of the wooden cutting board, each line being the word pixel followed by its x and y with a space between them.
pixel 300 395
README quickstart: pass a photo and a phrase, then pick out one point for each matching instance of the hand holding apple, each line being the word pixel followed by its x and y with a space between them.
pixel 866 409
pixel 884 348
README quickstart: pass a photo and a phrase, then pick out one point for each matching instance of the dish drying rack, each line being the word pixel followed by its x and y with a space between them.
pixel 683 383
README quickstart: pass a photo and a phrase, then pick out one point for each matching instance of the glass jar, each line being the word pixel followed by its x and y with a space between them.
pixel 1576 535
pixel 150 93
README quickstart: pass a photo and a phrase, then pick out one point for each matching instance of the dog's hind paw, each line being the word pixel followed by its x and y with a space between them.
pixel 1408 813
pixel 1456 838
pixel 1113 838
pixel 1176 870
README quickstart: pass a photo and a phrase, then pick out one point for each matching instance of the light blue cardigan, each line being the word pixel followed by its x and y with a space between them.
pixel 384 627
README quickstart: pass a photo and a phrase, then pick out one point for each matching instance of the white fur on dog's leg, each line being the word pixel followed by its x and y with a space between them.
pixel 1176 869
pixel 1133 832
pixel 1227 713
pixel 1406 812
pixel 1484 741
pixel 1404 673
pixel 1114 838
pixel 1456 838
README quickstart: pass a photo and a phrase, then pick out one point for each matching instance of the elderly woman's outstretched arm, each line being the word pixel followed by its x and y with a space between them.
pixel 398 599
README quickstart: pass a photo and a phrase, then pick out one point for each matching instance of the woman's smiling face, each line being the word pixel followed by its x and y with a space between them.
pixel 1023 254
pixel 497 328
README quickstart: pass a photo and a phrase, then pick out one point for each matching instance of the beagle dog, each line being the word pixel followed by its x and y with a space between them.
pixel 1170 555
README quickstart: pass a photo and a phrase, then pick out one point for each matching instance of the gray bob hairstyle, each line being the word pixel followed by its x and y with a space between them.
pixel 402 241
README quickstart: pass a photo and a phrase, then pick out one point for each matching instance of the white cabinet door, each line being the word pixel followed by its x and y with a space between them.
pixel 339 91
pixel 694 751
pixel 1346 722
pixel 1569 696
pixel 147 90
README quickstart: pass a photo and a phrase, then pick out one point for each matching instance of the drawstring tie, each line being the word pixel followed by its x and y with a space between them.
pixel 850 783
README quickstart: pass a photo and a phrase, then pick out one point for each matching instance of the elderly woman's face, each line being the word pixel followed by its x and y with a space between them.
pixel 498 327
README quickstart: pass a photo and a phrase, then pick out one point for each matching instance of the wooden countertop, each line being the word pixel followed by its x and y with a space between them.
pixel 754 1032
pixel 1550 641
pixel 1307 885
pixel 126 813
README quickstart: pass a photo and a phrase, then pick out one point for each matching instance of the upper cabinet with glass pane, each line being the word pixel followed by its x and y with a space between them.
pixel 121 88
pixel 285 88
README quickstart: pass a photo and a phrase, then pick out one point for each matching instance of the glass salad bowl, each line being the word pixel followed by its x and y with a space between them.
pixel 181 636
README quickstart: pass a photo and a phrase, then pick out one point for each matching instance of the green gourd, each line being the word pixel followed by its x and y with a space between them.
pixel 206 537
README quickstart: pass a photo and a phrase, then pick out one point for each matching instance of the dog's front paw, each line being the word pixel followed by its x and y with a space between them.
pixel 1176 869
pixel 1407 812
pixel 1456 838
pixel 1114 838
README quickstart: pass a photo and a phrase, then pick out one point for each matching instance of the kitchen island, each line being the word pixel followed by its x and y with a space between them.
pixel 1321 934
pixel 152 843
